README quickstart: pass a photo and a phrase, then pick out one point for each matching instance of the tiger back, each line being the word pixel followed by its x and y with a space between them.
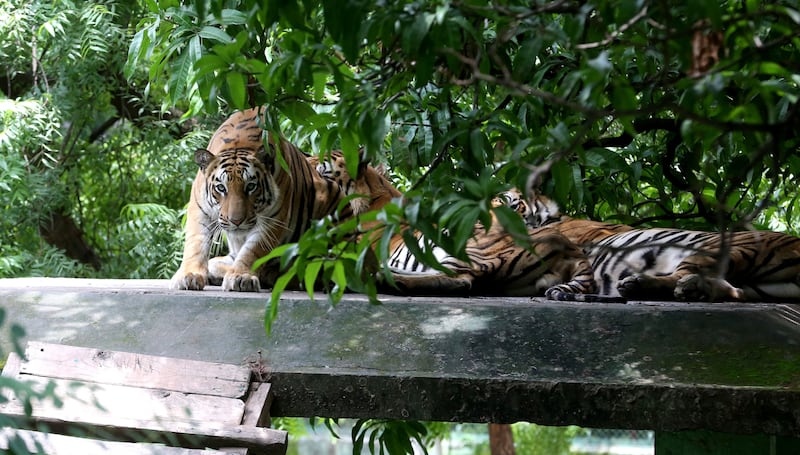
pixel 550 265
pixel 241 190
pixel 667 264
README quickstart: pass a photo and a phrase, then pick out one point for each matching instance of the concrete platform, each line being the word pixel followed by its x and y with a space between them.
pixel 661 366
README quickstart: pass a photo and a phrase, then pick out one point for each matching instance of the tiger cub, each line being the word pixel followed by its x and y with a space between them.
pixel 666 264
pixel 550 266
pixel 241 191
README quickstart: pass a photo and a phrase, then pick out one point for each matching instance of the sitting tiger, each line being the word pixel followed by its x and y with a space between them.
pixel 665 264
pixel 239 189
pixel 551 266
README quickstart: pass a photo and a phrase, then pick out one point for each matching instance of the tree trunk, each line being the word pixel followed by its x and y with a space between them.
pixel 501 440
pixel 61 231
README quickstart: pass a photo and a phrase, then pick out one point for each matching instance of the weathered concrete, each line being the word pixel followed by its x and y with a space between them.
pixel 669 366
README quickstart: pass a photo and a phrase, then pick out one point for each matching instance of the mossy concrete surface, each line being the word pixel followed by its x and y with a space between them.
pixel 642 365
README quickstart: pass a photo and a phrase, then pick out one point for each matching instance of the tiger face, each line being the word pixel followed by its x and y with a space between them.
pixel 239 187
pixel 515 200
pixel 370 184
pixel 535 212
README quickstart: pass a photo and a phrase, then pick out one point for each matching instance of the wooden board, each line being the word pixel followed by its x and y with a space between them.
pixel 182 434
pixel 92 402
pixel 137 370
pixel 256 411
pixel 125 397
pixel 56 444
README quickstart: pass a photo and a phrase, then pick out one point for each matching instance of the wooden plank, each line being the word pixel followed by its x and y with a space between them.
pixel 122 368
pixel 264 441
pixel 92 402
pixel 56 444
pixel 256 408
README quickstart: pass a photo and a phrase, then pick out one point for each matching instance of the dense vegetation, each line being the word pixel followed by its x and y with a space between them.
pixel 647 112
pixel 644 111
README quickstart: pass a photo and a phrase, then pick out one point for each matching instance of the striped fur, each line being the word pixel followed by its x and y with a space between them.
pixel 695 265
pixel 667 264
pixel 371 185
pixel 549 265
pixel 240 190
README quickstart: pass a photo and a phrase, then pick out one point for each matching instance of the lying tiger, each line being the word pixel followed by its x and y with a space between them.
pixel 239 189
pixel 665 264
pixel 551 266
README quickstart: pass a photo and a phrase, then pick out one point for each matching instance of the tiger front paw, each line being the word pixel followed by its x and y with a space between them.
pixel 632 286
pixel 559 292
pixel 188 281
pixel 241 282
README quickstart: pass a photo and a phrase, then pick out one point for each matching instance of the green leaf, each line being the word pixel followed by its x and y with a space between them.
pixel 182 74
pixel 277 252
pixel 511 222
pixel 297 111
pixel 525 60
pixel 311 274
pixel 230 17
pixel 215 34
pixel 349 151
pixel 562 179
pixel 413 36
pixel 236 84
pixel 208 64
pixel 339 277
pixel 134 52
pixel 344 18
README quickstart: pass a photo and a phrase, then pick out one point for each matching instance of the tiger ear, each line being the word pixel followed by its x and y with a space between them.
pixel 381 170
pixel 533 186
pixel 363 162
pixel 203 157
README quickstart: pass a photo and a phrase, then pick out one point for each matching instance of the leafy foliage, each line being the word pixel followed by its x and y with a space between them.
pixel 78 142
pixel 645 112
pixel 388 436
pixel 379 436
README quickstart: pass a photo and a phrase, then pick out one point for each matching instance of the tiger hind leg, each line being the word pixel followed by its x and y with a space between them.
pixel 433 284
pixel 699 288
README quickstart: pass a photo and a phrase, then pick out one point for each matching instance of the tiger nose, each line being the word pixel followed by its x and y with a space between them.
pixel 236 221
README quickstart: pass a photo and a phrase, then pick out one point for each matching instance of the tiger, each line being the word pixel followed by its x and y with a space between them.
pixel 240 190
pixel 541 211
pixel 371 188
pixel 685 265
pixel 552 266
